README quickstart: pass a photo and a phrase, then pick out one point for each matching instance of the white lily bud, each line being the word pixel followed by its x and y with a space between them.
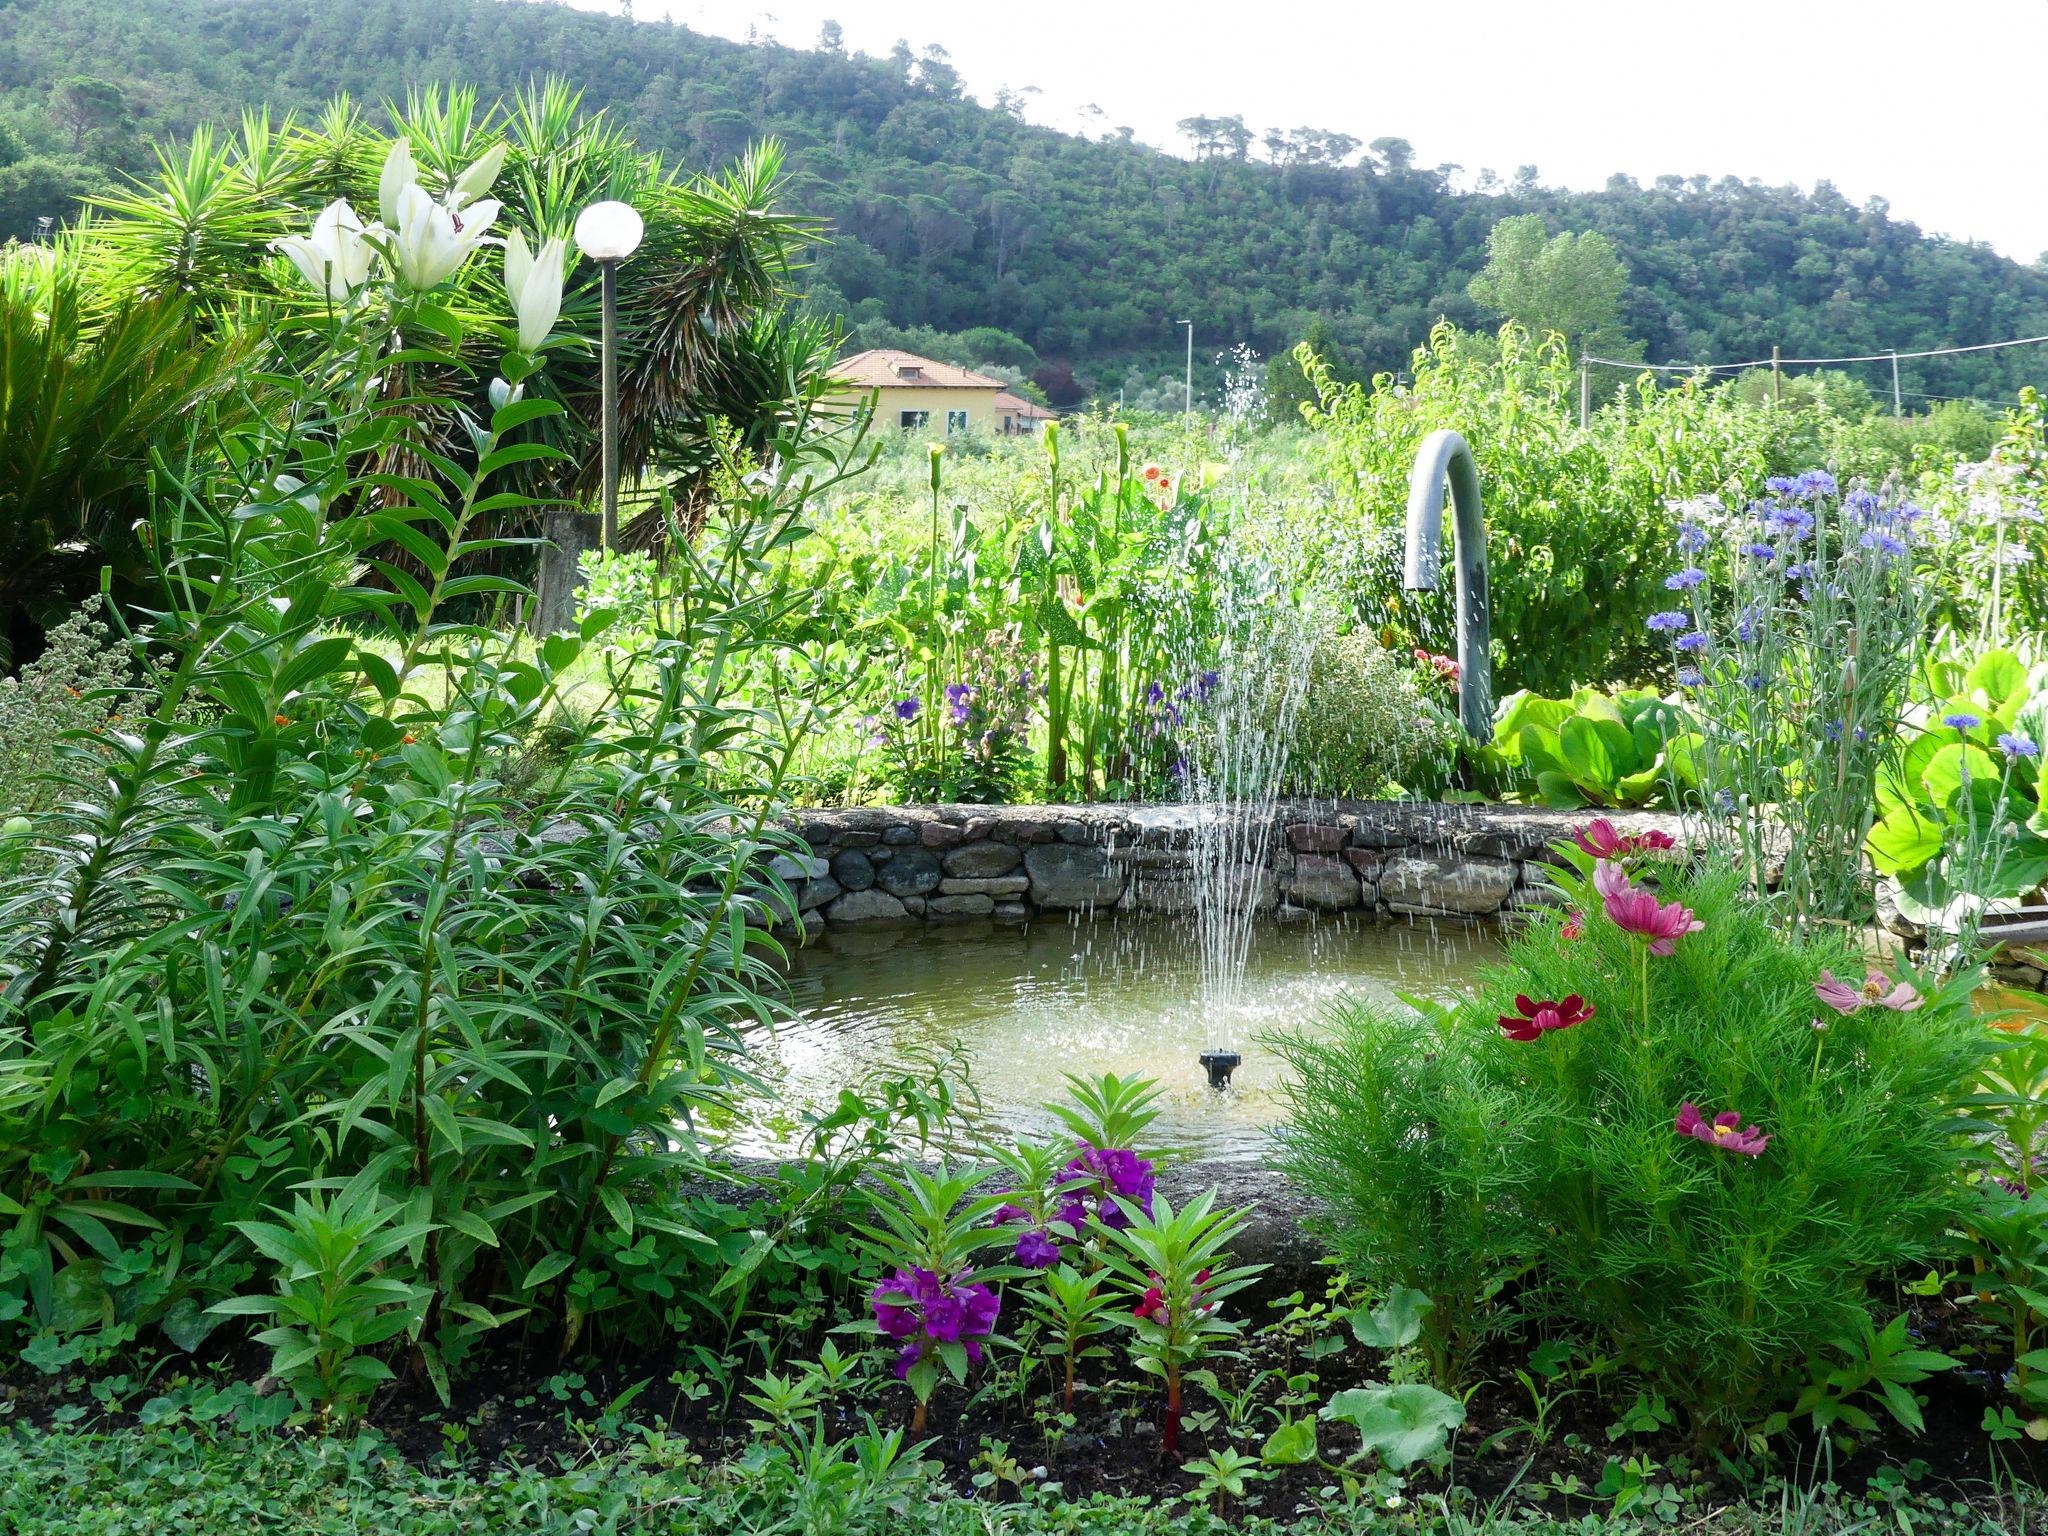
pixel 476 181
pixel 398 174
pixel 534 283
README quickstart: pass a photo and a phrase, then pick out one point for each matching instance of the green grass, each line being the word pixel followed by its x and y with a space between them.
pixel 196 1480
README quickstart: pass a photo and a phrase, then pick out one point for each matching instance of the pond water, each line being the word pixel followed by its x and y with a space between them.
pixel 1029 1003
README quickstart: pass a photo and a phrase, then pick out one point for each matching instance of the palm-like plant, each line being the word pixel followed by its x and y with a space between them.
pixel 86 389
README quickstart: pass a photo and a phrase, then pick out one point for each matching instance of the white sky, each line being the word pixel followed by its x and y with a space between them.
pixel 1934 106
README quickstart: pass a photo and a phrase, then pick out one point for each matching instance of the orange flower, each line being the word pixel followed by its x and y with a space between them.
pixel 408 738
pixel 280 720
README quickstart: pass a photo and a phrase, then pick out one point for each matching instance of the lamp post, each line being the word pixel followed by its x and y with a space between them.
pixel 1187 404
pixel 608 233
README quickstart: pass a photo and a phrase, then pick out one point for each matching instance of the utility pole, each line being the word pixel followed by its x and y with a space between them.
pixel 1188 394
pixel 1585 388
pixel 1777 380
pixel 1896 411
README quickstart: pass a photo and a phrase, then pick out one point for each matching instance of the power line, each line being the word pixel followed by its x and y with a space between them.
pixel 1813 362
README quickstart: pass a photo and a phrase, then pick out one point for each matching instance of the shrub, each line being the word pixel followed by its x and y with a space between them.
pixel 66 690
pixel 1364 726
pixel 1668 1149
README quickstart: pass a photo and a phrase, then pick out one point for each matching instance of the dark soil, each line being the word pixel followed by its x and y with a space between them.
pixel 527 1407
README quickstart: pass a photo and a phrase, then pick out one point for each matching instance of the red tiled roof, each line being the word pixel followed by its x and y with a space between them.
pixel 883 368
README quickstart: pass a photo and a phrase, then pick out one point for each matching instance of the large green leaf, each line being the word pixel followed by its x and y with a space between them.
pixel 1403 1424
pixel 1588 755
pixel 1902 840
pixel 1999 678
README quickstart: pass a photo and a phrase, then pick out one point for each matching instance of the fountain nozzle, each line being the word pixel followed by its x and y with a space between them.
pixel 1219 1065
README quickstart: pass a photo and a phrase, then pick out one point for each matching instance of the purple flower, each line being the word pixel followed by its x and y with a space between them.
pixel 1037 1250
pixel 1692 538
pixel 1815 482
pixel 1670 619
pixel 906 709
pixel 2015 746
pixel 919 1308
pixel 1962 721
pixel 1863 504
pixel 1155 694
pixel 1760 551
pixel 1691 677
pixel 1883 543
pixel 1781 485
pixel 957 702
pixel 1685 580
pixel 1696 641
pixel 1103 1173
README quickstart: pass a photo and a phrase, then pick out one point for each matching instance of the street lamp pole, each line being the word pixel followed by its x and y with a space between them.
pixel 608 233
pixel 1188 390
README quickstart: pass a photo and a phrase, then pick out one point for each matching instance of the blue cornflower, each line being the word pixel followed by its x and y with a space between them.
pixel 1815 482
pixel 1685 580
pixel 1696 641
pixel 1745 624
pixel 1883 543
pixel 1669 619
pixel 1863 504
pixel 1794 522
pixel 1798 572
pixel 906 709
pixel 1760 551
pixel 1692 538
pixel 1725 799
pixel 1781 485
pixel 2015 746
pixel 1833 730
pixel 1962 721
pixel 1756 682
pixel 1691 677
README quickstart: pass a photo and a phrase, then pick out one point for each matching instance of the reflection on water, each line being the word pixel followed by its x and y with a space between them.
pixel 1028 1004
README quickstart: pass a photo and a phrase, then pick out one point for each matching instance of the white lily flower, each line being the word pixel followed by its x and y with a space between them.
pixel 476 181
pixel 534 281
pixel 398 174
pixel 432 240
pixel 335 258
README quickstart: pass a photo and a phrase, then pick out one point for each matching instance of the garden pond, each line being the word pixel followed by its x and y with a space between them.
pixel 1028 1003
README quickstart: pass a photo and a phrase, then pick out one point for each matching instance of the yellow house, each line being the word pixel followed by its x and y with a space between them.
pixel 917 394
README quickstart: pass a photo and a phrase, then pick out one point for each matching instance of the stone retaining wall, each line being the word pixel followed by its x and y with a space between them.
pixel 945 863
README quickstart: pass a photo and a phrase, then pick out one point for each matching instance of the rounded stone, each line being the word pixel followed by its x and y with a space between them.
pixel 912 872
pixel 853 869
pixel 865 907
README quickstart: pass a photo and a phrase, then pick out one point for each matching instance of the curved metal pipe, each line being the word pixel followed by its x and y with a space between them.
pixel 1444 453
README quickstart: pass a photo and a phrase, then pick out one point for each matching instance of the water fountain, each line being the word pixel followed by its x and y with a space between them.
pixel 1234 777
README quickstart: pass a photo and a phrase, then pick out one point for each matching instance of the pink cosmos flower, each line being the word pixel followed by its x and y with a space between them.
pixel 1725 1130
pixel 1535 1018
pixel 1602 839
pixel 1637 911
pixel 1878 991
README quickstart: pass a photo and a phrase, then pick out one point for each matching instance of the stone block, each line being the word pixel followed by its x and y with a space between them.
pixel 1066 875
pixel 1319 881
pixel 912 872
pixel 865 907
pixel 941 834
pixel 980 861
pixel 959 906
pixel 992 885
pixel 1432 884
pixel 1317 836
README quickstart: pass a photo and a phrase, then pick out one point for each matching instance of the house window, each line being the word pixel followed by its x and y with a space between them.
pixel 956 421
pixel 910 421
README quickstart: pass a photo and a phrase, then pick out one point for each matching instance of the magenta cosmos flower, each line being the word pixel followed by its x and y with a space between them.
pixel 1635 910
pixel 1602 839
pixel 1725 1130
pixel 1534 1018
pixel 1878 991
